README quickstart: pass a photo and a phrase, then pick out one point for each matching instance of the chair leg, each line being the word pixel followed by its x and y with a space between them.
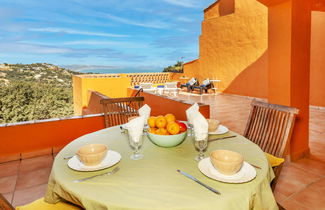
pixel 188 88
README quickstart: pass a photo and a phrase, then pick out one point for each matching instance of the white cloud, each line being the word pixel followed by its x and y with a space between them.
pixel 153 24
pixel 182 3
pixel 119 44
pixel 90 42
pixel 38 49
pixel 185 19
pixel 71 31
pixel 97 43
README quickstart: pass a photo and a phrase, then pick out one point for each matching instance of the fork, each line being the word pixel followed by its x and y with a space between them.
pixel 103 174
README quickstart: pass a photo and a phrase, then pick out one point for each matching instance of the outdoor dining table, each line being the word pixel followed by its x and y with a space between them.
pixel 154 183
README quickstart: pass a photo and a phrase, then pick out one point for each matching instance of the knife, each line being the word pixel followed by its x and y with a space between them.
pixel 106 173
pixel 197 181
pixel 255 166
pixel 227 137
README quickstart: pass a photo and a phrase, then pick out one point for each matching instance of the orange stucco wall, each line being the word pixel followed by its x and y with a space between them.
pixel 111 86
pixel 317 59
pixel 289 38
pixel 28 138
pixel 94 106
pixel 233 47
pixel 230 51
pixel 280 52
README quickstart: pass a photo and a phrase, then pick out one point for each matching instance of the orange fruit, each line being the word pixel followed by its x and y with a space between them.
pixel 152 122
pixel 173 128
pixel 161 131
pixel 152 130
pixel 161 122
pixel 170 118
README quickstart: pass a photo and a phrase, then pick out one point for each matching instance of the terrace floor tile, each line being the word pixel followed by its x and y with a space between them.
pixel 311 166
pixel 312 196
pixel 8 196
pixel 33 178
pixel 28 195
pixel 7 184
pixel 9 168
pixel 36 163
pixel 294 179
pixel 293 205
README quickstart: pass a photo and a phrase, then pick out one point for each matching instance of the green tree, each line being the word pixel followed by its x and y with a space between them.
pixel 24 101
pixel 178 68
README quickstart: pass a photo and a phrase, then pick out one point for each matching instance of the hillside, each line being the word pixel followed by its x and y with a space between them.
pixel 36 72
pixel 176 68
pixel 34 92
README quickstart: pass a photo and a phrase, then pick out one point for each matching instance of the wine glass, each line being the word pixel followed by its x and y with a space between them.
pixel 201 144
pixel 123 130
pixel 136 144
pixel 190 129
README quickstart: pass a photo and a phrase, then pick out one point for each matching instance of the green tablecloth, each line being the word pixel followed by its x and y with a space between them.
pixel 153 183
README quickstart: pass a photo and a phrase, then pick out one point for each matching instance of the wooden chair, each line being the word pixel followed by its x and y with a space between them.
pixel 270 127
pixel 118 110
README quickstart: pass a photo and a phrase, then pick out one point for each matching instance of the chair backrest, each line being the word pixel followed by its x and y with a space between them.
pixel 118 110
pixel 270 127
pixel 206 82
pixel 4 204
pixel 171 84
pixel 192 81
pixel 146 86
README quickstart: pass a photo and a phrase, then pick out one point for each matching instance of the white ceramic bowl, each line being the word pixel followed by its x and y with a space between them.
pixel 92 154
pixel 167 140
pixel 226 162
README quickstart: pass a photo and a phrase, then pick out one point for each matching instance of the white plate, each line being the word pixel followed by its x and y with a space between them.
pixel 220 130
pixel 110 159
pixel 245 174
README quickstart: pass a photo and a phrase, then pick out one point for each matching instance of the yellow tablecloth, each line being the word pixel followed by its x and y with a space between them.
pixel 153 183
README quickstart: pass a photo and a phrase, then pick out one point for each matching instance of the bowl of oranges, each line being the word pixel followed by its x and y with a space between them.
pixel 166 131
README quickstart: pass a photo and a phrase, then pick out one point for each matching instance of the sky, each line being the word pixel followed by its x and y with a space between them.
pixel 120 34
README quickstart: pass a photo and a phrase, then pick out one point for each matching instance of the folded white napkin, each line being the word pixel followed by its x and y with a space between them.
pixel 145 111
pixel 190 111
pixel 200 125
pixel 135 128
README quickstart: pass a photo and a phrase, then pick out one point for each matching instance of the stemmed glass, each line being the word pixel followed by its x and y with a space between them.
pixel 201 144
pixel 190 129
pixel 136 144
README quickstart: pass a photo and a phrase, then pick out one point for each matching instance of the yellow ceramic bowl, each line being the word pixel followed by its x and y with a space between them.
pixel 92 154
pixel 213 125
pixel 226 162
